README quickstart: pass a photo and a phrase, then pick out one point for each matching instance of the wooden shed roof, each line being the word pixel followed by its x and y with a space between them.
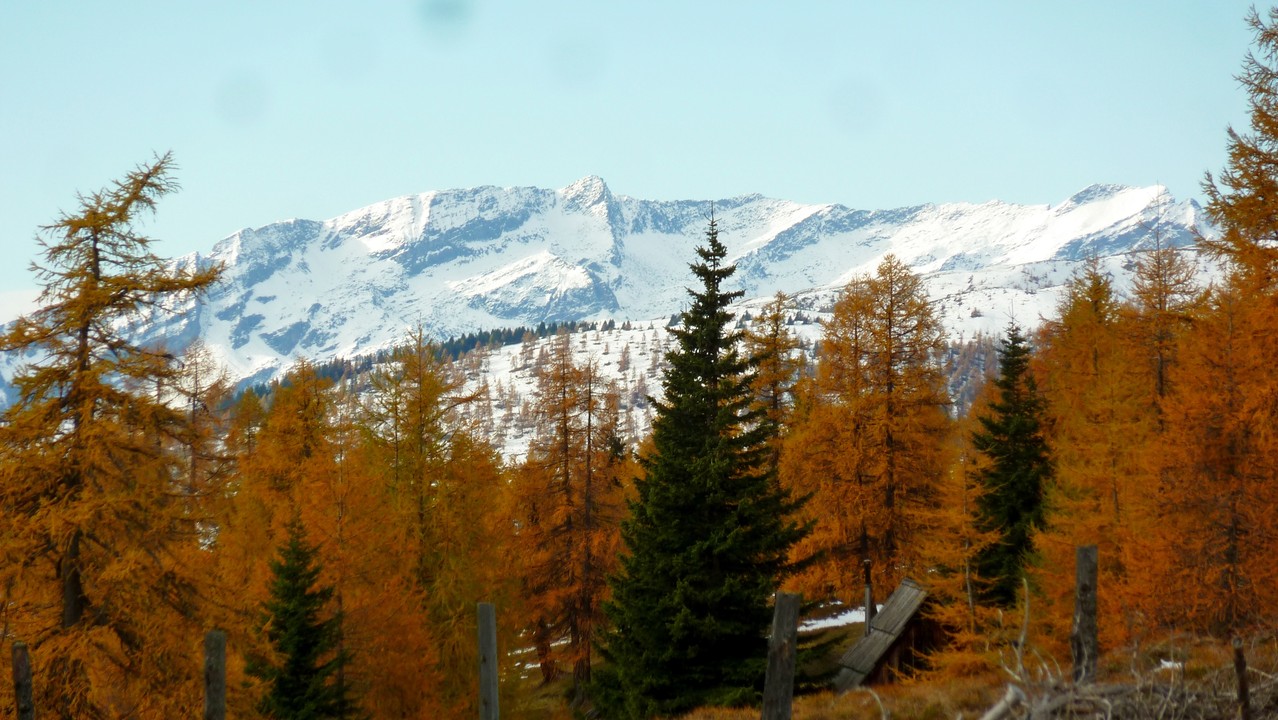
pixel 892 619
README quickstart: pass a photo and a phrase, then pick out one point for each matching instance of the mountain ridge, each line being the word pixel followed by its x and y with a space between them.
pixel 460 260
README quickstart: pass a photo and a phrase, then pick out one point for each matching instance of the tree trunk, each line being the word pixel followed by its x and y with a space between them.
pixel 73 600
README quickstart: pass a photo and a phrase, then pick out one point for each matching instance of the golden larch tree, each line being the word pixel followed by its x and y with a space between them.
pixel 571 490
pixel 449 508
pixel 1220 473
pixel 97 518
pixel 1165 294
pixel 779 365
pixel 274 448
pixel 870 447
pixel 1165 299
pixel 1223 407
pixel 1099 421
pixel 949 550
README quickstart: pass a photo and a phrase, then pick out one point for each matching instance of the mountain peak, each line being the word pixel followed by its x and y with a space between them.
pixel 586 192
pixel 1097 191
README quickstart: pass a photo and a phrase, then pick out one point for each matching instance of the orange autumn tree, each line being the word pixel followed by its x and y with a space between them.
pixel 1100 419
pixel 1220 473
pixel 571 491
pixel 306 460
pixel 345 508
pixel 1165 298
pixel 1221 449
pixel 1241 200
pixel 201 392
pixel 96 520
pixel 447 508
pixel 949 550
pixel 779 366
pixel 274 448
pixel 870 447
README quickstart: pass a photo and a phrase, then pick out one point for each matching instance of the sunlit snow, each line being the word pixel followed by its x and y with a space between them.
pixel 460 261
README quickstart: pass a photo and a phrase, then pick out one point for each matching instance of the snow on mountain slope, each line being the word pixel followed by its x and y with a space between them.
pixel 459 261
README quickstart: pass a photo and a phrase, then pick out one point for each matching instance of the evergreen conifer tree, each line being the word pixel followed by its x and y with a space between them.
pixel 1014 480
pixel 710 530
pixel 307 682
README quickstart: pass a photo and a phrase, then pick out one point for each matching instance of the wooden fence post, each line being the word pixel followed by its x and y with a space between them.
pixel 778 686
pixel 870 610
pixel 22 688
pixel 488 709
pixel 1240 669
pixel 215 675
pixel 1082 639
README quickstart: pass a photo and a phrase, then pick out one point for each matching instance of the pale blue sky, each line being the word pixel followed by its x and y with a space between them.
pixel 311 108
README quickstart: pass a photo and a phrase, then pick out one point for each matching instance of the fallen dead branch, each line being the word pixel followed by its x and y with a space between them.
pixel 1131 702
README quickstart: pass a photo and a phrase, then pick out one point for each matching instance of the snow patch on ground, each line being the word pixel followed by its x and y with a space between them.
pixel 850 616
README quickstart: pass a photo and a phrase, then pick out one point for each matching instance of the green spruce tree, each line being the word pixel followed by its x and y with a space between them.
pixel 1014 481
pixel 710 531
pixel 307 683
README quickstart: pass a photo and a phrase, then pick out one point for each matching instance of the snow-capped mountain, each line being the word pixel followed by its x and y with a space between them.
pixel 458 261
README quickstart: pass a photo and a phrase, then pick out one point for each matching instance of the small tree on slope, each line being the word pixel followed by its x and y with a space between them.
pixel 1011 437
pixel 710 530
pixel 307 682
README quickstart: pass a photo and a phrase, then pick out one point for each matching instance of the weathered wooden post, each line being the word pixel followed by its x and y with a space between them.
pixel 215 675
pixel 869 595
pixel 22 688
pixel 1240 669
pixel 488 709
pixel 1082 639
pixel 778 685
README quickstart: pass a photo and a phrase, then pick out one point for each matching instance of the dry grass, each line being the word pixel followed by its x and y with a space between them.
pixel 1177 679
pixel 968 697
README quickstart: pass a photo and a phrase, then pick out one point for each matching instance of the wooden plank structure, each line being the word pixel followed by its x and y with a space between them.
pixel 488 699
pixel 896 635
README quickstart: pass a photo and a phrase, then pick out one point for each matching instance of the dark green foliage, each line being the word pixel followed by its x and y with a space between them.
pixel 455 347
pixel 1011 437
pixel 710 531
pixel 307 684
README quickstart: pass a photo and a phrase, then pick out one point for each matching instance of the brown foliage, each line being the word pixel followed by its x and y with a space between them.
pixel 98 528
pixel 446 511
pixel 1220 470
pixel 570 492
pixel 1101 400
pixel 869 446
